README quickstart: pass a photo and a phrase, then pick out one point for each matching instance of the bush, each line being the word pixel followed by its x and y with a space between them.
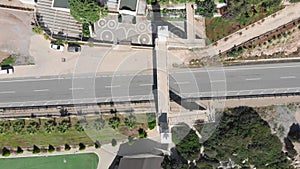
pixel 5 152
pixel 18 126
pixel 36 149
pixel 50 126
pixel 4 127
pixel 86 30
pixel 37 29
pixel 81 146
pixel 99 124
pixel 113 142
pixel 142 133
pixel 64 126
pixel 79 127
pixel 67 147
pixel 151 118
pixel 51 148
pixel 32 127
pixel 19 150
pixel 130 121
pixel 114 122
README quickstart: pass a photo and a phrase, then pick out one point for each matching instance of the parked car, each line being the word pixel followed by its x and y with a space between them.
pixel 74 48
pixel 6 70
pixel 57 47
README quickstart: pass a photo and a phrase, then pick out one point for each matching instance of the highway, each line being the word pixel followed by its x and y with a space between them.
pixel 188 83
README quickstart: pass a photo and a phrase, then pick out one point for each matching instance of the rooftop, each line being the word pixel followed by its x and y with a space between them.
pixel 61 4
pixel 128 5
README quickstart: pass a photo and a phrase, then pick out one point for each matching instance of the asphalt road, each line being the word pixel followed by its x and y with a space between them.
pixel 88 88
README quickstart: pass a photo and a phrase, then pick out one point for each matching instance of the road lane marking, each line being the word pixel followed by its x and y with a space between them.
pixel 7 92
pixel 288 77
pixel 252 79
pixel 181 83
pixel 76 88
pixel 41 90
pixel 113 86
pixel 150 84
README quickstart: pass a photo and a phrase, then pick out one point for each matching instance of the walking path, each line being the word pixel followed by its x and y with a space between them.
pixel 284 16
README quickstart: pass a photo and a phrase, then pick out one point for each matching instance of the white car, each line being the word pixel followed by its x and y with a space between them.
pixel 57 47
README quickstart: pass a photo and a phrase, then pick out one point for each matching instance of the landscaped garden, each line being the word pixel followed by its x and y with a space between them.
pixel 239 14
pixel 78 161
pixel 45 134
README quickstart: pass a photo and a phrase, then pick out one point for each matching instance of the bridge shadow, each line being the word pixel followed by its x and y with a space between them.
pixel 187 104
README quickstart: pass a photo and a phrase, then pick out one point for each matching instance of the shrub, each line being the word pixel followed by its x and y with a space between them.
pixel 64 126
pixel 81 146
pixel 18 126
pixel 79 127
pixel 51 148
pixel 36 149
pixel 4 127
pixel 46 37
pixel 32 127
pixel 113 142
pixel 19 150
pixel 130 121
pixel 114 122
pixel 5 152
pixel 67 147
pixel 99 124
pixel 50 126
pixel 142 133
pixel 37 29
pixel 151 118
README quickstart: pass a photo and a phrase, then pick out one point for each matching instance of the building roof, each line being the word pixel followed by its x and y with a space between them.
pixel 128 5
pixel 141 163
pixel 61 4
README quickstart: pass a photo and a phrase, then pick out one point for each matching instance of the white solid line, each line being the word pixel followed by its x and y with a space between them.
pixel 41 90
pixel 253 79
pixel 78 88
pixel 288 77
pixel 112 86
pixel 29 80
pixel 150 84
pixel 7 92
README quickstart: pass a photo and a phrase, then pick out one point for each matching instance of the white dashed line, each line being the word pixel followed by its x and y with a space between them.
pixel 252 79
pixel 41 90
pixel 78 88
pixel 113 86
pixel 288 77
pixel 7 92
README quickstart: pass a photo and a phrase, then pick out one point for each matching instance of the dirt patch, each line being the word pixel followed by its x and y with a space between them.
pixel 15 34
pixel 3 55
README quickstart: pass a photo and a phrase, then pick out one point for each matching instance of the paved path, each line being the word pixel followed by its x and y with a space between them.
pixel 284 16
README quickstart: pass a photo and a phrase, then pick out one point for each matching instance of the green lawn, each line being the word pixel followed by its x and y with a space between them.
pixel 78 161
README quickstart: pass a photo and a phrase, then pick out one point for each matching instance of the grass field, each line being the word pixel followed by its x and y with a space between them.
pixel 78 161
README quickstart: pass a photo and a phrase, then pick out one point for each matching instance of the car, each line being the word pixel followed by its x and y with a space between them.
pixel 57 47
pixel 7 69
pixel 74 48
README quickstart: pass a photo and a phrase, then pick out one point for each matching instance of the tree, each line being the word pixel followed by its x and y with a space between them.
pixel 114 122
pixel 32 127
pixel 87 11
pixel 19 150
pixel 36 149
pixel 206 8
pixel 151 118
pixel 97 144
pixel 63 112
pixel 81 146
pixel 50 126
pixel 67 147
pixel 51 148
pixel 5 152
pixel 130 121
